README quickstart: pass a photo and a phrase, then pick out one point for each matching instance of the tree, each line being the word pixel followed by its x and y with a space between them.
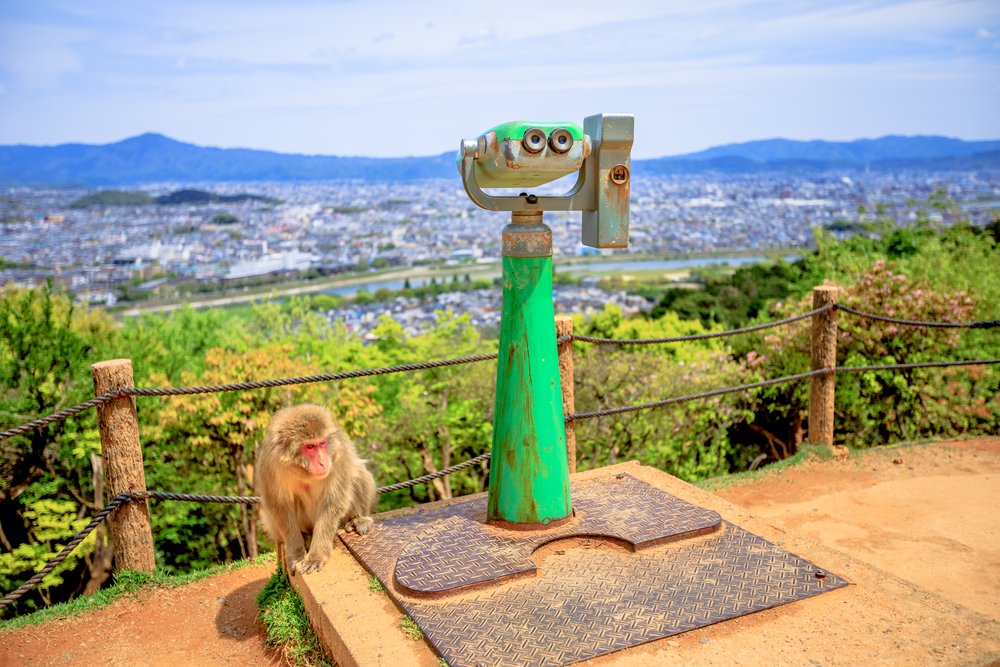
pixel 224 219
pixel 49 479
pixel 690 439
pixel 434 418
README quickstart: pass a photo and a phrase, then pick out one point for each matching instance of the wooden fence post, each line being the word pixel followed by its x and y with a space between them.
pixel 824 355
pixel 564 327
pixel 131 534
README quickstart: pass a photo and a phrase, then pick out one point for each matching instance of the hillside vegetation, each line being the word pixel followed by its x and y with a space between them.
pixel 104 198
pixel 412 423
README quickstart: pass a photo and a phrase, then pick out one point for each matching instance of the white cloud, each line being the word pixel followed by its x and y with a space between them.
pixel 304 76
pixel 40 55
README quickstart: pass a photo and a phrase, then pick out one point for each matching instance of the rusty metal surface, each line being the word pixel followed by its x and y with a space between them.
pixel 592 597
pixel 607 224
pixel 527 236
pixel 460 550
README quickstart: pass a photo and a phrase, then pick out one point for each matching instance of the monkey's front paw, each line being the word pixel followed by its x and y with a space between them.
pixel 361 524
pixel 307 565
pixel 293 555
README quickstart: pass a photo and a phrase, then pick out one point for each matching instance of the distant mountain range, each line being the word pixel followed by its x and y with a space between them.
pixel 151 158
pixel 890 153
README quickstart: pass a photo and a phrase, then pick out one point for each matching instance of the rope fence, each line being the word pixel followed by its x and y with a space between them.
pixel 129 496
pixel 434 475
pixel 704 336
pixel 767 383
pixel 237 386
pixel 987 324
pixel 578 416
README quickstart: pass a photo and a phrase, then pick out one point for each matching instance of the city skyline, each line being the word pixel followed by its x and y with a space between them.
pixel 303 77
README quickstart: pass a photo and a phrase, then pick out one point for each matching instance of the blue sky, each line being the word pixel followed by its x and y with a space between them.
pixel 398 77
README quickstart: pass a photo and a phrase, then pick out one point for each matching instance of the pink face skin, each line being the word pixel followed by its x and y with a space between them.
pixel 315 452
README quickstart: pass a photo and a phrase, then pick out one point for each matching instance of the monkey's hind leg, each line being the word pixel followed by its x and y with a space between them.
pixel 287 534
pixel 362 502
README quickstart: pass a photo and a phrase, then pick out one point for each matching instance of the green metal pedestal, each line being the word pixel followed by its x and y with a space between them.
pixel 529 474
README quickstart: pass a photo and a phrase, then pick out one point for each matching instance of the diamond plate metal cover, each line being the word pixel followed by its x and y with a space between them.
pixel 591 598
pixel 456 551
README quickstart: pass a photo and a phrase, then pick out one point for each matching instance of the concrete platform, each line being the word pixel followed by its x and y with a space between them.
pixel 879 619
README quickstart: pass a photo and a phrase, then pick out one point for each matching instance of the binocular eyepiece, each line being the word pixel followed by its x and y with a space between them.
pixel 533 140
pixel 523 154
pixel 560 140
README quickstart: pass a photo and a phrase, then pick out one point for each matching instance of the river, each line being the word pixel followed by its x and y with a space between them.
pixel 591 267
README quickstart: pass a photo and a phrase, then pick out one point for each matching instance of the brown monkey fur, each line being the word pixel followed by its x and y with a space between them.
pixel 310 480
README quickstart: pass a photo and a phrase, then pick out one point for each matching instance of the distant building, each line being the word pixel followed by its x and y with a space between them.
pixel 292 260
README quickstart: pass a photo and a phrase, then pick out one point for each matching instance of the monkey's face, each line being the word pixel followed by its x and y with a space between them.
pixel 316 457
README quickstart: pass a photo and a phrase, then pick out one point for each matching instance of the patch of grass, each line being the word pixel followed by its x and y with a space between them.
pixel 375 585
pixel 811 452
pixel 286 624
pixel 124 584
pixel 806 453
pixel 411 629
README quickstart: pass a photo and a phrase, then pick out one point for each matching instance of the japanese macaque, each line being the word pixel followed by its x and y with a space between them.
pixel 311 481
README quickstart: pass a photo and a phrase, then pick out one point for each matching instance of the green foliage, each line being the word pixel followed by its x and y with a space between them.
pixel 742 295
pixel 434 418
pixel 690 439
pixel 46 481
pixel 324 302
pixel 877 407
pixel 191 196
pixel 915 272
pixel 166 345
pixel 286 624
pixel 7 264
pixel 103 198
pixel 224 219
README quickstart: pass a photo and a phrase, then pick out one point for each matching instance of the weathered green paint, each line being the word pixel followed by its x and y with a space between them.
pixel 529 474
pixel 503 162
pixel 515 130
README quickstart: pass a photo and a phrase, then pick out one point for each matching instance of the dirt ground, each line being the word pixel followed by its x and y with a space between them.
pixel 210 622
pixel 926 513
